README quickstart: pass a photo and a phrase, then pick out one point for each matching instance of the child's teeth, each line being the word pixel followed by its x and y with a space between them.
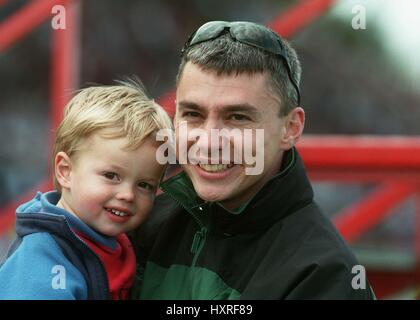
pixel 118 213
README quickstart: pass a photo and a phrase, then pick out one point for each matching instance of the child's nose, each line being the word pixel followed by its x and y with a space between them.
pixel 125 193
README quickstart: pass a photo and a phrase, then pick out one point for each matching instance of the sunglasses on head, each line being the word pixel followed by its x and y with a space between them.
pixel 249 33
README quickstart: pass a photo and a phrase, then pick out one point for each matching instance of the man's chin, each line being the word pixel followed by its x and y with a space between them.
pixel 228 198
pixel 209 174
pixel 212 194
pixel 211 188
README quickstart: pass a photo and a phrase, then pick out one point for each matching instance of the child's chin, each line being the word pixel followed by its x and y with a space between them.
pixel 114 234
pixel 109 232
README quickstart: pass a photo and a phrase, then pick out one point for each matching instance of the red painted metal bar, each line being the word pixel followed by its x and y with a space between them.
pixel 369 152
pixel 360 175
pixel 299 16
pixel 369 211
pixel 24 21
pixel 387 283
pixel 417 228
pixel 63 80
pixel 7 216
pixel 64 64
pixel 361 158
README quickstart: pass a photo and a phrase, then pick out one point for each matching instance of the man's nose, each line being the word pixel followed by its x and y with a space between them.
pixel 211 138
pixel 213 128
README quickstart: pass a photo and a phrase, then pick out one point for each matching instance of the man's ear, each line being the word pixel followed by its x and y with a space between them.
pixel 63 167
pixel 293 127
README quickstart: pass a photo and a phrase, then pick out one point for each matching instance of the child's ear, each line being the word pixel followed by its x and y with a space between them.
pixel 293 128
pixel 63 166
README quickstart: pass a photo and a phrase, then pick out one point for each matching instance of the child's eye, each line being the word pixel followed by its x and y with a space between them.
pixel 147 186
pixel 111 176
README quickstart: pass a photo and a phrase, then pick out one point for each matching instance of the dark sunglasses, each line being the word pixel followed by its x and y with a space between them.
pixel 249 33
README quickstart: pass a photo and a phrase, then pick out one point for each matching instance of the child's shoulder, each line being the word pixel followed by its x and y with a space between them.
pixel 36 247
pixel 31 269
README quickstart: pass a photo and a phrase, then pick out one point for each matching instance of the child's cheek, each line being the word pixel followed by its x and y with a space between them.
pixel 94 198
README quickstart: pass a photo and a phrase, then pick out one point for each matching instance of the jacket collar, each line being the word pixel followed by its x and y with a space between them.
pixel 284 193
pixel 42 214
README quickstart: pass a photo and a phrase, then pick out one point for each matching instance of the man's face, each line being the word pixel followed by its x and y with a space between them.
pixel 208 101
pixel 111 188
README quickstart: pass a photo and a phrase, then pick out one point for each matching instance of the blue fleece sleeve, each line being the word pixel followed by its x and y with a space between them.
pixel 39 270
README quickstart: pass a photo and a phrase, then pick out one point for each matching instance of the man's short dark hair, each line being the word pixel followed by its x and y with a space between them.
pixel 227 56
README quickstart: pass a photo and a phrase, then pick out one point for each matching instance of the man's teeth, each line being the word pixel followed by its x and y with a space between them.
pixel 215 167
pixel 117 213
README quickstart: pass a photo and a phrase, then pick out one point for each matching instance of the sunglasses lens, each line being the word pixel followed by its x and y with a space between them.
pixel 210 30
pixel 256 36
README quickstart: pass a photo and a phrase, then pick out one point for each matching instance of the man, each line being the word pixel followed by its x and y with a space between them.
pixel 219 232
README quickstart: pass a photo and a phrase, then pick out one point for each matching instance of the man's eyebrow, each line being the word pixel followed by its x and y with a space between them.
pixel 242 107
pixel 190 105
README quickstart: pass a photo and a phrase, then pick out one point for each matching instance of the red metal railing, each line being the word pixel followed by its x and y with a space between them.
pixel 391 162
pixel 63 71
pixel 25 20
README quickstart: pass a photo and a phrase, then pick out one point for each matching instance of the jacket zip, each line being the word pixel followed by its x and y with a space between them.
pixel 198 244
pixel 101 266
pixel 200 235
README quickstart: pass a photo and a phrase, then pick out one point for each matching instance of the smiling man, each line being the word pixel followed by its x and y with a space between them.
pixel 219 232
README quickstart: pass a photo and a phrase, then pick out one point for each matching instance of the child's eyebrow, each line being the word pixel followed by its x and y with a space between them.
pixel 116 167
pixel 149 179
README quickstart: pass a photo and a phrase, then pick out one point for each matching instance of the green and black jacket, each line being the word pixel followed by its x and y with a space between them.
pixel 277 246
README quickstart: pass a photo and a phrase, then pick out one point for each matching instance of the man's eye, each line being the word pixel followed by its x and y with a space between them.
pixel 146 186
pixel 239 117
pixel 111 176
pixel 190 114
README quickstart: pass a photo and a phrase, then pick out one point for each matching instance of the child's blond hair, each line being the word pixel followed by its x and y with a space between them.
pixel 125 108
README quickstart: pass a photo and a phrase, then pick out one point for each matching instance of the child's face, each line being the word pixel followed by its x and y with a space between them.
pixel 109 188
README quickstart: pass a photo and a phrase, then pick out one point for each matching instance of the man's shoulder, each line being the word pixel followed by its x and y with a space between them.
pixel 313 256
pixel 315 238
